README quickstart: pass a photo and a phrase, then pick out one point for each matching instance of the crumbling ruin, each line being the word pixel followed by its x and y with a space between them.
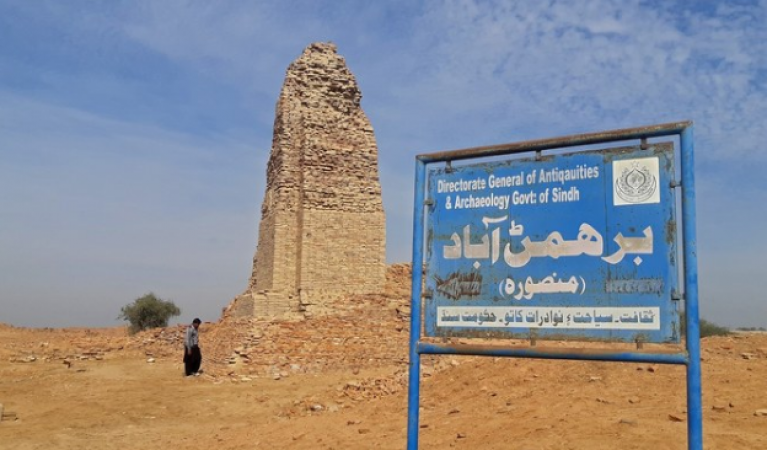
pixel 322 231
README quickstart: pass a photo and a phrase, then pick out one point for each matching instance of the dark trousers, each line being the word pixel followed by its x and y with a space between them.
pixel 192 360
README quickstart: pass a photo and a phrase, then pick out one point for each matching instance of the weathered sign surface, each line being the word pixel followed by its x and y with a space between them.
pixel 575 246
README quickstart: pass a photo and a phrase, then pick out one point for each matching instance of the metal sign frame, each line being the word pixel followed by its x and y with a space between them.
pixel 689 280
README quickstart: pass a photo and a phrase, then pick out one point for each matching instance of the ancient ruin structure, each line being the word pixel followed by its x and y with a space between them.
pixel 322 231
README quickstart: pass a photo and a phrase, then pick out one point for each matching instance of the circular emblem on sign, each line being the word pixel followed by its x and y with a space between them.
pixel 636 184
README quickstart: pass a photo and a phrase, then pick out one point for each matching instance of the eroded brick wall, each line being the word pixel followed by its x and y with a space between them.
pixel 322 231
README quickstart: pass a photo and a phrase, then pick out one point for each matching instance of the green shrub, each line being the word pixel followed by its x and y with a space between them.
pixel 711 329
pixel 148 311
pixel 706 328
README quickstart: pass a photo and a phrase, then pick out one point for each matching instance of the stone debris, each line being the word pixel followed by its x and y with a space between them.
pixel 375 387
pixel 7 415
pixel 70 348
pixel 367 333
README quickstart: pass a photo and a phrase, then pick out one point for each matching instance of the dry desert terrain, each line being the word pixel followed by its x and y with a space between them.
pixel 102 389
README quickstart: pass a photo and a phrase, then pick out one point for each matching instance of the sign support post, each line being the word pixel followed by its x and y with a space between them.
pixel 692 335
pixel 415 309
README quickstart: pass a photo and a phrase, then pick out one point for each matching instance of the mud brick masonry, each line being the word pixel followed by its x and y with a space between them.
pixel 322 230
pixel 320 296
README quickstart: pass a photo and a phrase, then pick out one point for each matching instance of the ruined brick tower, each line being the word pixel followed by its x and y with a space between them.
pixel 322 231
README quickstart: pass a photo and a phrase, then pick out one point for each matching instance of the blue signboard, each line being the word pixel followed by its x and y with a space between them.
pixel 577 246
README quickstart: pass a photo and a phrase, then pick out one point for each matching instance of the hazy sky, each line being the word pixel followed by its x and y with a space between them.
pixel 134 134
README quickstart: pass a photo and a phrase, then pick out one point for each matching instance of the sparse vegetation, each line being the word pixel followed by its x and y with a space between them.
pixel 711 329
pixel 707 328
pixel 148 311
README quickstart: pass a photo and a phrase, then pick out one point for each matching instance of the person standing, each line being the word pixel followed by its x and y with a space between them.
pixel 192 354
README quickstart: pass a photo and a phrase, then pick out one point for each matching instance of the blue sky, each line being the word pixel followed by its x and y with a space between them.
pixel 134 135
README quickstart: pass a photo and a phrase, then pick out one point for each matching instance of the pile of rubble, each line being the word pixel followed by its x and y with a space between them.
pixel 66 345
pixel 69 345
pixel 7 415
pixel 364 331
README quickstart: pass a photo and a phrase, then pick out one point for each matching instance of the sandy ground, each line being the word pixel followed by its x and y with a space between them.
pixel 120 401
